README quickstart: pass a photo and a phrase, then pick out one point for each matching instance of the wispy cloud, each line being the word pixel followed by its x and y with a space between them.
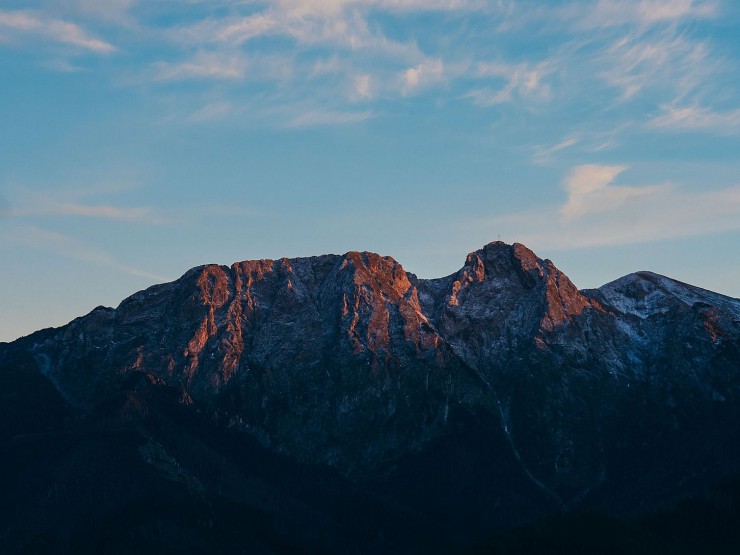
pixel 108 212
pixel 425 73
pixel 579 16
pixel 641 48
pixel 696 118
pixel 113 11
pixel 521 81
pixel 38 238
pixel 62 66
pixel 667 61
pixel 341 25
pixel 332 7
pixel 544 154
pixel 362 87
pixel 610 13
pixel 204 65
pixel 213 111
pixel 241 30
pixel 27 204
pixel 338 53
pixel 598 213
pixel 27 23
pixel 283 112
pixel 315 118
pixel 590 190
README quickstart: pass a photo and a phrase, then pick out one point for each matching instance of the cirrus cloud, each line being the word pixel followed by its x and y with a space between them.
pixel 21 24
pixel 598 212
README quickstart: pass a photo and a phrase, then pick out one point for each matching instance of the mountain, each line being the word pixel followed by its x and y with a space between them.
pixel 341 404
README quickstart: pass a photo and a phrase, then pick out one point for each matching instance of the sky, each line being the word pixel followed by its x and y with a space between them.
pixel 141 138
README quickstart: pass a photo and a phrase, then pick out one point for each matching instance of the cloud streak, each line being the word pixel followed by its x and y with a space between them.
pixel 317 118
pixel 339 25
pixel 521 81
pixel 591 190
pixel 204 65
pixel 30 24
pixel 30 203
pixel 599 213
pixel 38 238
pixel 137 214
pixel 667 60
pixel 611 13
pixel 544 154
pixel 426 73
pixel 695 118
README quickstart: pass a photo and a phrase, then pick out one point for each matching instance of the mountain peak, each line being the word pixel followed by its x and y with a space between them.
pixel 499 260
pixel 647 293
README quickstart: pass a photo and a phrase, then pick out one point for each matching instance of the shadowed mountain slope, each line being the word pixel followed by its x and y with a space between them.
pixel 342 401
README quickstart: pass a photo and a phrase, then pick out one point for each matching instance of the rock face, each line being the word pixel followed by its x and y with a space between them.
pixel 522 394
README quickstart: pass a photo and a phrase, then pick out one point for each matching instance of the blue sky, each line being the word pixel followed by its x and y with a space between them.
pixel 139 139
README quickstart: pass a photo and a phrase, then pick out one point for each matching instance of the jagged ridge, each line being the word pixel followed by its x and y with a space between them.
pixel 351 361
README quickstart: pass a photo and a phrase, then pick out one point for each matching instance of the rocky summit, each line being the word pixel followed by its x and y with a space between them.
pixel 341 404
